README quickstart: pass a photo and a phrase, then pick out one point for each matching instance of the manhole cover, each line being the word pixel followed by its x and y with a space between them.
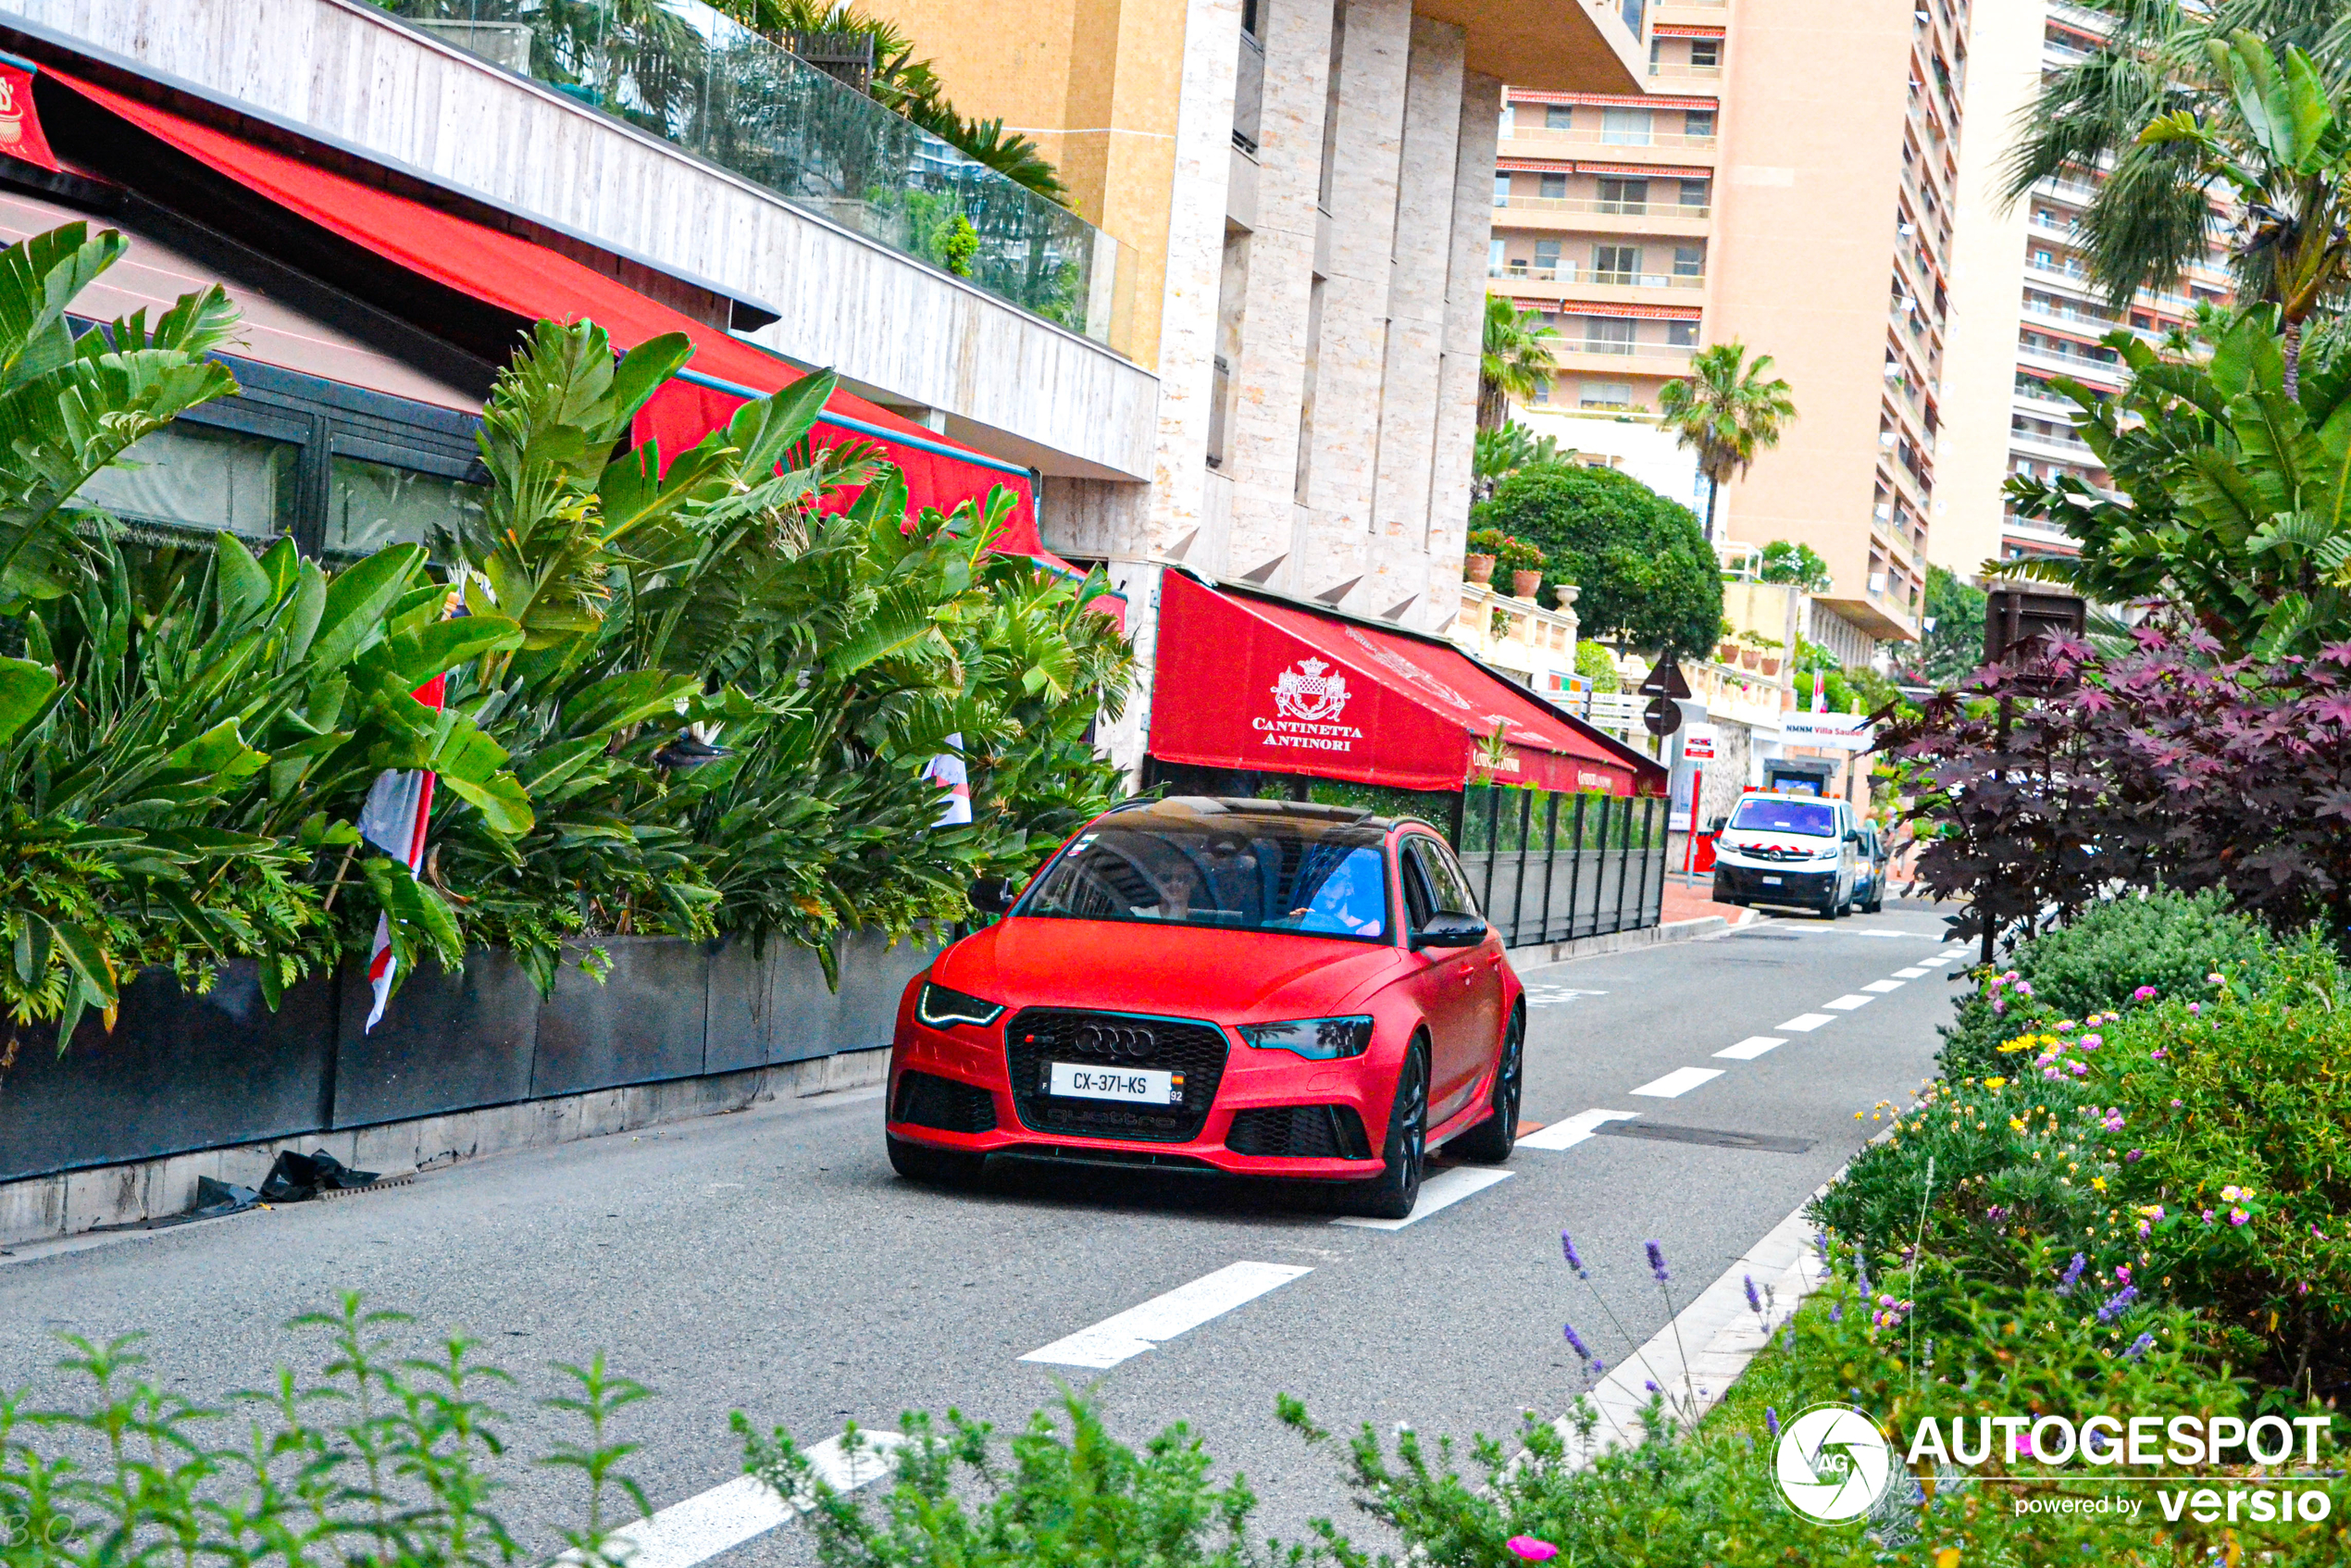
pixel 1713 1138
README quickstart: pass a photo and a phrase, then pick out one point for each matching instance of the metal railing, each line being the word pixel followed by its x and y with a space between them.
pixel 1589 137
pixel 1549 867
pixel 1605 210
pixel 1570 272
pixel 684 72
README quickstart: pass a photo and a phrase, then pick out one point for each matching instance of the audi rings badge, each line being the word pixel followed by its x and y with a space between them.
pixel 1132 1041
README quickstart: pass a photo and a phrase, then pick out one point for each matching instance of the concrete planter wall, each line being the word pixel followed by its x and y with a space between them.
pixel 183 1073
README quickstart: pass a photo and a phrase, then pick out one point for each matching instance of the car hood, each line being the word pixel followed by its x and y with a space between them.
pixel 1226 976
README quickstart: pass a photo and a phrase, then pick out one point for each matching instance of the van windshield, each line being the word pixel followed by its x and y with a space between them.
pixel 1801 817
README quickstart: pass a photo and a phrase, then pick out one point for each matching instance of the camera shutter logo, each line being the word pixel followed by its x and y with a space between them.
pixel 1307 694
pixel 1832 1463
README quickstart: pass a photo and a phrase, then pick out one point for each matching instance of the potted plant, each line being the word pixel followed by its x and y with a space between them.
pixel 1485 548
pixel 1726 650
pixel 1524 563
pixel 1769 648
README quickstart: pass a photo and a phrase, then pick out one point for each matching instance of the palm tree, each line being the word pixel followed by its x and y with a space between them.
pixel 2243 100
pixel 1515 360
pixel 1727 412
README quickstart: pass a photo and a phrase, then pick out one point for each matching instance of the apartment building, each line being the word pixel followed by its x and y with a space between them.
pixel 2028 310
pixel 1301 192
pixel 1786 179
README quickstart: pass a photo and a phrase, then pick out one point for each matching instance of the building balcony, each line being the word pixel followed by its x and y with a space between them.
pixel 1662 146
pixel 722 92
pixel 1591 358
pixel 2053 449
pixel 1589 216
pixel 2090 372
pixel 1569 283
pixel 1668 70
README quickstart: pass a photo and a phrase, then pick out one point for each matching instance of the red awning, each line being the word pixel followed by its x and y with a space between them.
pixel 534 282
pixel 1265 685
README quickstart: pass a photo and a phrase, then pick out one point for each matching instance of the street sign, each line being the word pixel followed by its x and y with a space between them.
pixel 1663 715
pixel 1665 680
pixel 2014 617
pixel 1697 745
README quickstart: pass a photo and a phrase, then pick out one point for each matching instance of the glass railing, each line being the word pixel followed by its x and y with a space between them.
pixel 679 70
pixel 1601 209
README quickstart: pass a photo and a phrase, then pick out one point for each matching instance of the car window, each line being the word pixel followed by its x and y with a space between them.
pixel 1420 900
pixel 1262 877
pixel 1447 888
pixel 1810 819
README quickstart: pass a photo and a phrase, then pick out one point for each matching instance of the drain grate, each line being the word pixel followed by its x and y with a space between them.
pixel 1712 1137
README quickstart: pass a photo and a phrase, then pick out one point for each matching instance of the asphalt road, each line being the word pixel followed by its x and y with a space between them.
pixel 770 1261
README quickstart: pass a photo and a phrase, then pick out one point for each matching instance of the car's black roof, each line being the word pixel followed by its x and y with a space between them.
pixel 1306 818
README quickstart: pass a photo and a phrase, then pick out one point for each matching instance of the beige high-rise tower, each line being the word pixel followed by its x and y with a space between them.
pixel 1786 180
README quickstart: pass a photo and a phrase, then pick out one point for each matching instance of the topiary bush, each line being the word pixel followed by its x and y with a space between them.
pixel 2163 940
pixel 1647 573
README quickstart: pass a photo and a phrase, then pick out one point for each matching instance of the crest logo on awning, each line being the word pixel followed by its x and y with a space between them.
pixel 1306 693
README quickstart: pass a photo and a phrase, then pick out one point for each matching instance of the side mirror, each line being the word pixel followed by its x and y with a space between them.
pixel 1450 930
pixel 994 895
pixel 1718 824
pixel 1854 837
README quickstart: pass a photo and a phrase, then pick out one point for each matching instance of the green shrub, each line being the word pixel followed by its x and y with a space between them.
pixel 2164 939
pixel 1083 1502
pixel 1647 573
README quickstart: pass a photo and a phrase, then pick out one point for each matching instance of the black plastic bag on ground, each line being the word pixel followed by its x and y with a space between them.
pixel 295 1178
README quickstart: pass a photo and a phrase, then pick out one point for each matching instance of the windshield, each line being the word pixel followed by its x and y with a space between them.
pixel 1802 817
pixel 1245 876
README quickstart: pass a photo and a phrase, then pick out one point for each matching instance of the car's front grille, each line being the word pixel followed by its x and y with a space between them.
pixel 1299 1132
pixel 928 1100
pixel 1041 1035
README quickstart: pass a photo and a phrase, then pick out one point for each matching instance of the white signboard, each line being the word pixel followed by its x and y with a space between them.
pixel 1830 733
pixel 1698 743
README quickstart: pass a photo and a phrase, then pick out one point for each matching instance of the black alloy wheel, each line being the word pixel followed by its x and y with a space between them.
pixel 937 1167
pixel 1490 1142
pixel 1392 1193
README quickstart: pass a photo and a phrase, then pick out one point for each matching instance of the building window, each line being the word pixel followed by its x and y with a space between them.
pixel 1619 194
pixel 1616 264
pixel 373 505
pixel 1695 193
pixel 1554 187
pixel 1625 128
pixel 1689 261
pixel 1698 123
pixel 1558 116
pixel 1608 334
pixel 1543 391
pixel 204 479
pixel 1706 53
pixel 1495 257
pixel 1547 257
pixel 1502 189
pixel 1682 334
pixel 1607 395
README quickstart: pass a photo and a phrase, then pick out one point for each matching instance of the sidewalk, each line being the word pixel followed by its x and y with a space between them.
pixel 1694 899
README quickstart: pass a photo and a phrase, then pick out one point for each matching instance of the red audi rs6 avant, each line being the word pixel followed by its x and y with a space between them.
pixel 1261 988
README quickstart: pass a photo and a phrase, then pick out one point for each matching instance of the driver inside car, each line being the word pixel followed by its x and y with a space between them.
pixel 1347 902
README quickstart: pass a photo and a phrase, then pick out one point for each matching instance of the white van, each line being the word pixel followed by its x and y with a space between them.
pixel 1798 850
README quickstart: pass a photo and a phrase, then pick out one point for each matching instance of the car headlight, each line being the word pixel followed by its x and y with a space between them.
pixel 939 1007
pixel 1318 1039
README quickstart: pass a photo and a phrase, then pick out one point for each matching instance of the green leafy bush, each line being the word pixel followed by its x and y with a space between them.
pixel 2164 940
pixel 1643 564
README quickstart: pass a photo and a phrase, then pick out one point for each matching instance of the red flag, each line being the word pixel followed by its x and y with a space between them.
pixel 399 809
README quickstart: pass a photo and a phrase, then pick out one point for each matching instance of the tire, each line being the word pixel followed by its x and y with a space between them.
pixel 1392 1194
pixel 937 1167
pixel 1490 1142
pixel 1877 901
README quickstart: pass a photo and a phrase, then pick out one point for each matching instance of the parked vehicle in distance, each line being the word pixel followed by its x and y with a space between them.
pixel 1260 987
pixel 1799 850
pixel 1876 858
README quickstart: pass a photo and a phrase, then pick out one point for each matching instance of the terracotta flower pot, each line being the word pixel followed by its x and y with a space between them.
pixel 1751 657
pixel 1727 654
pixel 1478 568
pixel 1771 666
pixel 1524 584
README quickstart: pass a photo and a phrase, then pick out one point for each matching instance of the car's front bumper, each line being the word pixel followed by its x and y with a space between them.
pixel 972 1060
pixel 1788 884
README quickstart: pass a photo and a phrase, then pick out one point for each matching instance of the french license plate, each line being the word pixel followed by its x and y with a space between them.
pixel 1772 881
pixel 1140 1086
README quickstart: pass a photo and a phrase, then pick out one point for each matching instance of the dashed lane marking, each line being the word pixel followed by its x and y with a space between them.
pixel 1162 1318
pixel 1678 1082
pixel 1751 1047
pixel 1439 1192
pixel 1882 986
pixel 1804 1023
pixel 1569 1131
pixel 1938 961
pixel 1553 996
pixel 1848 1001
pixel 726 1516
pixel 1913 973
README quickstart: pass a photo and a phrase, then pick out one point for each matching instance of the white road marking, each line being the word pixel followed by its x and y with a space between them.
pixel 1959 951
pixel 1752 1047
pixel 1569 1132
pixel 1882 986
pixel 1876 931
pixel 1553 996
pixel 1678 1082
pixel 1804 1023
pixel 1938 961
pixel 1848 1001
pixel 1162 1318
pixel 1913 973
pixel 727 1515
pixel 1440 1192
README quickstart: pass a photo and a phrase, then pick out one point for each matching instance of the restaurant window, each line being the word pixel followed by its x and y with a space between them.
pixel 370 506
pixel 203 478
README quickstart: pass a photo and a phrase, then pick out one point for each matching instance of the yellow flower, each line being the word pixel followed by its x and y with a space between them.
pixel 1994 1082
pixel 2098 1182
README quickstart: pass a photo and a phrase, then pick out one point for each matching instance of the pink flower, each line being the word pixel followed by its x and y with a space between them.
pixel 1999 1007
pixel 2091 1042
pixel 2195 1007
pixel 2025 987
pixel 1531 1549
pixel 2238 1216
pixel 2208 1216
pixel 2143 993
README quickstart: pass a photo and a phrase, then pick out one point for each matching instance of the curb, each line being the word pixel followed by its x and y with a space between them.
pixel 1697 928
